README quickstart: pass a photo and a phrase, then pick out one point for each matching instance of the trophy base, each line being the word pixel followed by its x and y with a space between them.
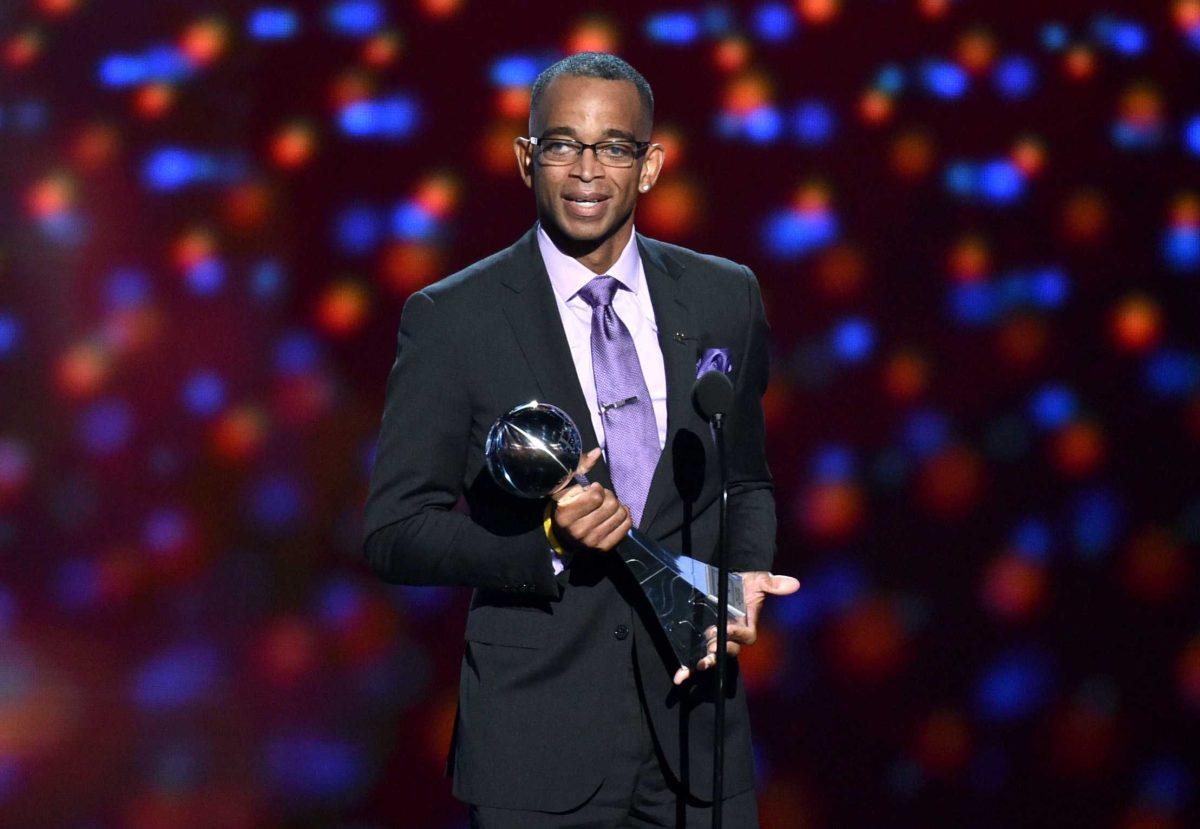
pixel 683 593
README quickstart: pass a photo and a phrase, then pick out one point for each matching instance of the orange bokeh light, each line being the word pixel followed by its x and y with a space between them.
pixel 912 155
pixel 746 93
pixel 1085 216
pixel 381 50
pixel 976 51
pixel 951 483
pixel 833 511
pixel 512 102
pixel 943 744
pixel 1014 587
pixel 204 41
pixel 840 271
pixel 82 370
pixel 52 195
pixel 869 642
pixel 409 266
pixel 875 107
pixel 1079 63
pixel 441 8
pixel 592 34
pixel 819 11
pixel 22 49
pixel 1136 323
pixel 906 376
pixel 969 259
pixel 293 145
pixel 671 210
pixel 342 308
pixel 239 433
pixel 192 247
pixel 1022 340
pixel 153 100
pixel 1079 449
pixel 731 54
pixel 95 146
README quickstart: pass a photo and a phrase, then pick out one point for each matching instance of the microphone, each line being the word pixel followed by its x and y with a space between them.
pixel 713 394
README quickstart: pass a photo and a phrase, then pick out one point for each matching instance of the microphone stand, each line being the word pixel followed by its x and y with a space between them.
pixel 718 423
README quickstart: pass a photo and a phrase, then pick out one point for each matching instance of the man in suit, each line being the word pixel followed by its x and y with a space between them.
pixel 572 711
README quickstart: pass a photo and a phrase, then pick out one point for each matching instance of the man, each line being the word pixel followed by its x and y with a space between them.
pixel 571 709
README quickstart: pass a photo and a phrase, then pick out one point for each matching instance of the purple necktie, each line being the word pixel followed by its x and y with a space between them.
pixel 630 432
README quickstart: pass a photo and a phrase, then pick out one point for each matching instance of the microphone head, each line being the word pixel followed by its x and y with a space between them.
pixel 713 394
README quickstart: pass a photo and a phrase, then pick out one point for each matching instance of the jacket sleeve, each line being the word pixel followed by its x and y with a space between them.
pixel 751 489
pixel 412 534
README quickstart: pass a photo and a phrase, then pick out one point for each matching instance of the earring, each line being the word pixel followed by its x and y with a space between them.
pixel 645 187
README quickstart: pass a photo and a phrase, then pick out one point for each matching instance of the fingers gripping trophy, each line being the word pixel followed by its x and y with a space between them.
pixel 534 450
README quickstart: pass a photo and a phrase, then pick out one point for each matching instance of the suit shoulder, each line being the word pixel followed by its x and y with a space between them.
pixel 473 277
pixel 696 261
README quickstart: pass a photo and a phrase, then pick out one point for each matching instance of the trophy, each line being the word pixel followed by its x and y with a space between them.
pixel 533 450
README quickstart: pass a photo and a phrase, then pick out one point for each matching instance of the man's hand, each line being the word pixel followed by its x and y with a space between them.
pixel 591 516
pixel 756 585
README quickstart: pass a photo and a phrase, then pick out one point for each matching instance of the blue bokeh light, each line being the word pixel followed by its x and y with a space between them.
pixel 1053 406
pixel 391 118
pixel 179 676
pixel 853 340
pixel 944 79
pixel 10 333
pixel 673 28
pixel 204 393
pixel 1014 685
pixel 774 22
pixel 356 18
pixel 792 234
pixel 1015 77
pixel 813 123
pixel 273 23
pixel 106 427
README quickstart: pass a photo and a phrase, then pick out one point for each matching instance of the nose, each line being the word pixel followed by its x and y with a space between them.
pixel 588 165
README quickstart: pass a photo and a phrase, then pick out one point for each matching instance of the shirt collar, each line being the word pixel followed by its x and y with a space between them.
pixel 568 275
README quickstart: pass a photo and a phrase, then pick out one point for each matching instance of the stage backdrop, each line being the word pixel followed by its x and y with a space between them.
pixel 977 228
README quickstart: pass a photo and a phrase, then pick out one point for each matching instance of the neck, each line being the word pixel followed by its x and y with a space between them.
pixel 597 255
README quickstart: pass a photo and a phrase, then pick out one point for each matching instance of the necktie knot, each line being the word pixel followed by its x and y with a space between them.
pixel 600 291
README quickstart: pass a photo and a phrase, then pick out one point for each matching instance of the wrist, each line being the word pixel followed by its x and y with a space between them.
pixel 548 527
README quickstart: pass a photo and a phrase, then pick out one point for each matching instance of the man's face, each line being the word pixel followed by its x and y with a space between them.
pixel 588 110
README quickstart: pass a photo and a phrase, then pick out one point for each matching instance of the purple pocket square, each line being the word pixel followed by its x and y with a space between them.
pixel 714 359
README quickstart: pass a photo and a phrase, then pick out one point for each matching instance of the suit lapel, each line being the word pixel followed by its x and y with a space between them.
pixel 672 316
pixel 532 311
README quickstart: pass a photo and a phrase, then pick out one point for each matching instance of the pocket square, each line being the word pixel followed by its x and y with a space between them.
pixel 714 359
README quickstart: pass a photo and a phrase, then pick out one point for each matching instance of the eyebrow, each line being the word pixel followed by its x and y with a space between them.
pixel 611 132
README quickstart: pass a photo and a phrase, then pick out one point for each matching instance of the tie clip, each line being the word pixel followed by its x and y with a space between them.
pixel 617 404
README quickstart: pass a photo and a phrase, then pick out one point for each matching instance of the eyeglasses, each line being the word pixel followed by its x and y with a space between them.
pixel 614 153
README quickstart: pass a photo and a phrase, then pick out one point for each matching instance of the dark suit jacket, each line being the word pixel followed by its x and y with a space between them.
pixel 545 669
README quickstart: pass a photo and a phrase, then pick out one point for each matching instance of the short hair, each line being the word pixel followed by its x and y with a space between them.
pixel 593 65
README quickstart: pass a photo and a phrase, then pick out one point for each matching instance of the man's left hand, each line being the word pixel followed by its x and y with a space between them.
pixel 755 585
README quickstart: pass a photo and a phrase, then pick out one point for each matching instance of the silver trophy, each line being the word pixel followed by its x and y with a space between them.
pixel 533 451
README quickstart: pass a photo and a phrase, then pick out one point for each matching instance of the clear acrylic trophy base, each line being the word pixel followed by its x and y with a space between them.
pixel 683 593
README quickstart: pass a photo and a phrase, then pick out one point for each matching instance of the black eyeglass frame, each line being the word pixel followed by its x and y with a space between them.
pixel 639 147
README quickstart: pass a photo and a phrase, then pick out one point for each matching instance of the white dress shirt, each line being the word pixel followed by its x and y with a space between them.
pixel 631 304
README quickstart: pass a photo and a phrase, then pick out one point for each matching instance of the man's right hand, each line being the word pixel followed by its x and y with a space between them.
pixel 591 516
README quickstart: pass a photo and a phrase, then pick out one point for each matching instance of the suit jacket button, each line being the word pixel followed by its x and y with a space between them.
pixel 620 632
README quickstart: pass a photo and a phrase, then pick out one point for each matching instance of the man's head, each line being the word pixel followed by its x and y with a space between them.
pixel 589 98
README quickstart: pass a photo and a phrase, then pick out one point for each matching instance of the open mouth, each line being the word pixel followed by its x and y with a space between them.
pixel 584 206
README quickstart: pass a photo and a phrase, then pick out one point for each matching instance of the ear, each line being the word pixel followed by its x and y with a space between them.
pixel 524 152
pixel 651 167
